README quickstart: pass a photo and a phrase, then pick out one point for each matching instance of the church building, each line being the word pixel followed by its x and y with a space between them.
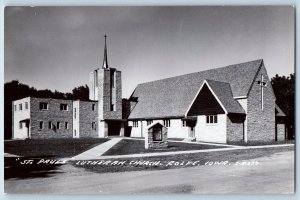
pixel 230 104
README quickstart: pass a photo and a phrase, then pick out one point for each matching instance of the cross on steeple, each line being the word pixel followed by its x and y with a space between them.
pixel 105 63
pixel 262 84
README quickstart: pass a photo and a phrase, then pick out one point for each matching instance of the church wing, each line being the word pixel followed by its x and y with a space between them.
pixel 172 97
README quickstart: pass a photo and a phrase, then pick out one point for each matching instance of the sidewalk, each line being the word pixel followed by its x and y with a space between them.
pixel 97 151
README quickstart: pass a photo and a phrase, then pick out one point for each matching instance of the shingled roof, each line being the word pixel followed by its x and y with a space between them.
pixel 171 97
pixel 223 92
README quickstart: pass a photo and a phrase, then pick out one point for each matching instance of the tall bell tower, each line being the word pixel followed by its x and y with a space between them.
pixel 105 86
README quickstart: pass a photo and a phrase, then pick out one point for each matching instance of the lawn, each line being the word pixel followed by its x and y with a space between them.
pixel 180 161
pixel 57 148
pixel 128 146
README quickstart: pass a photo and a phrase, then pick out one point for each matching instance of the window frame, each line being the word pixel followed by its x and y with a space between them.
pixel 26 106
pixel 41 125
pixel 64 107
pixel 41 106
pixel 212 119
pixel 167 122
pixel 58 124
pixel 20 106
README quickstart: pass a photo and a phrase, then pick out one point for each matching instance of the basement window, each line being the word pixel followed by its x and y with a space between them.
pixel 211 119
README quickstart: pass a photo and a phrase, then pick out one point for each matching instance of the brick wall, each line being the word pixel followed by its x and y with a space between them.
pixel 86 117
pixel 53 115
pixel 261 122
pixel 235 128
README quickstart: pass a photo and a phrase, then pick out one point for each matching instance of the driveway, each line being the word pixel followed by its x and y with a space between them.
pixel 273 175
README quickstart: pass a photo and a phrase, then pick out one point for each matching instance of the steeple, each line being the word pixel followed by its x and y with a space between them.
pixel 105 63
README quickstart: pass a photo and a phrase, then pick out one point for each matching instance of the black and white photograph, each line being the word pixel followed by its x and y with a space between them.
pixel 130 100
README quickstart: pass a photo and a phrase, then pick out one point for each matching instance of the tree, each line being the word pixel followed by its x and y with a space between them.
pixel 284 89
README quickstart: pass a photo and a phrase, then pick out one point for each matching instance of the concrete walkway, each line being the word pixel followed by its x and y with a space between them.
pixel 191 151
pixel 97 151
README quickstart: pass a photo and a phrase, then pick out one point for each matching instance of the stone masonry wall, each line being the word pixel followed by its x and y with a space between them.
pixel 108 95
pixel 86 117
pixel 235 128
pixel 261 123
pixel 53 115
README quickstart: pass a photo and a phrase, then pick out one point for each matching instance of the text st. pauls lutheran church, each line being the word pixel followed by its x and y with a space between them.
pixel 231 104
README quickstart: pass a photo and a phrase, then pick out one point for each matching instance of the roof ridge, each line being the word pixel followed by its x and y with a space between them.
pixel 201 71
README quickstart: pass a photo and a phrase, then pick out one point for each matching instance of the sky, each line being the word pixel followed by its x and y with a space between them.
pixel 57 47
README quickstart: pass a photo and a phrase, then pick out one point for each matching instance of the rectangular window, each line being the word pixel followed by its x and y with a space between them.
pixel 93 107
pixel 112 79
pixel 66 125
pixel 135 123
pixel 183 123
pixel 75 113
pixel 50 125
pixel 149 122
pixel 75 132
pixel 20 125
pixel 58 125
pixel 94 125
pixel 43 106
pixel 20 106
pixel 112 106
pixel 167 122
pixel 26 105
pixel 41 125
pixel 15 107
pixel 63 106
pixel 211 119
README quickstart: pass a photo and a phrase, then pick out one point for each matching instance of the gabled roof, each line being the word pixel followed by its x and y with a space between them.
pixel 171 97
pixel 279 112
pixel 223 92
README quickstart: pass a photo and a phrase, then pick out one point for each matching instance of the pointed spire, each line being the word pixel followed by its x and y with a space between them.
pixel 105 63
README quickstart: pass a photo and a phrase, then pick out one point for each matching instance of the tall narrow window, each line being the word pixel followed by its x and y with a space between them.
pixel 66 125
pixel 20 106
pixel 75 113
pixel 15 107
pixel 41 124
pixel 58 125
pixel 26 105
pixel 50 125
pixel 94 125
pixel 183 123
pixel 93 107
